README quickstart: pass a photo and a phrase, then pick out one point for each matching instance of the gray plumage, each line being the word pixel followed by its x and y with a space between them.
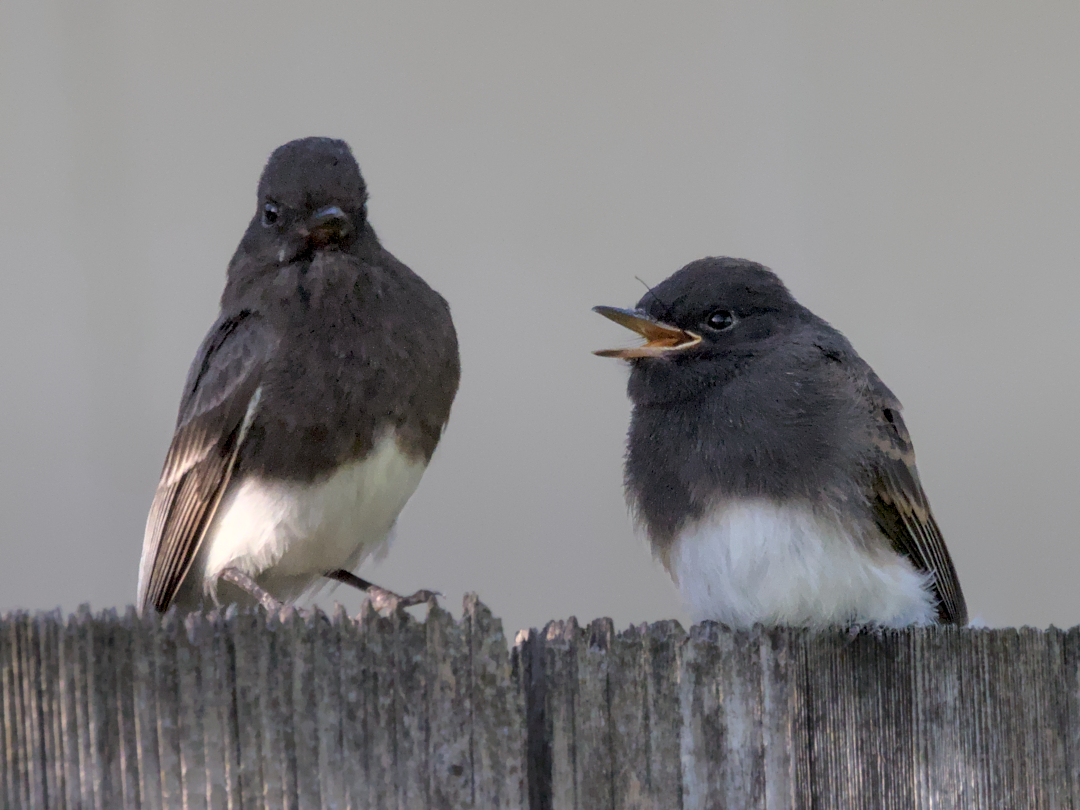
pixel 774 408
pixel 325 345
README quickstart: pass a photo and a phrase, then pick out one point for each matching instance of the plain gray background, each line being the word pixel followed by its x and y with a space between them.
pixel 912 170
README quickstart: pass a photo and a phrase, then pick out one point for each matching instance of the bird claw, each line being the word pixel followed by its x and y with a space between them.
pixel 387 602
pixel 286 612
pixel 856 630
pixel 422 597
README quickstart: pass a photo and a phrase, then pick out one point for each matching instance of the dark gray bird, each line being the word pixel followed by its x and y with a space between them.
pixel 770 466
pixel 312 407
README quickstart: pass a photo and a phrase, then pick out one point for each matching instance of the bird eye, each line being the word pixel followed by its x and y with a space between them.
pixel 721 320
pixel 270 214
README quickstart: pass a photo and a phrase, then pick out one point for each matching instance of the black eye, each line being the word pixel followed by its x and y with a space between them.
pixel 721 320
pixel 270 214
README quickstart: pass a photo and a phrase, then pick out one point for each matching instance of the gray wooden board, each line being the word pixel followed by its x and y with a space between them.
pixel 238 711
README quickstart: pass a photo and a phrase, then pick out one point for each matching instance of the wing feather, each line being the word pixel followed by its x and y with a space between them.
pixel 904 516
pixel 220 400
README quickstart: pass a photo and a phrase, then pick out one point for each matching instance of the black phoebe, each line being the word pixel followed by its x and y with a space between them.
pixel 312 407
pixel 770 466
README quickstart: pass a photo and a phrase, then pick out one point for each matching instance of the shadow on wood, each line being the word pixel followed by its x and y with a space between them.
pixel 251 711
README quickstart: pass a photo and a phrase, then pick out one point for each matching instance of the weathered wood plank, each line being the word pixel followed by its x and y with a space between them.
pixel 628 691
pixel 722 743
pixel 593 733
pixel 144 703
pixel 784 729
pixel 411 766
pixel 356 752
pixel 1071 645
pixel 248 633
pixel 29 783
pixel 31 666
pixel 449 711
pixel 218 737
pixel 847 677
pixel 496 714
pixel 84 685
pixel 530 653
pixel 190 720
pixel 167 686
pixel 1026 669
pixel 663 647
pixel 299 683
pixel 559 667
pixel 261 661
pixel 124 696
pixel 254 711
pixel 326 665
pixel 374 732
pixel 48 629
pixel 939 681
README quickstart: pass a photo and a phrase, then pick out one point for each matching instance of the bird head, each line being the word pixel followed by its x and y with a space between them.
pixel 311 198
pixel 699 322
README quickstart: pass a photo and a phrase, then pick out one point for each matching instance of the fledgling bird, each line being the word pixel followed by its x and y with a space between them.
pixel 770 466
pixel 312 407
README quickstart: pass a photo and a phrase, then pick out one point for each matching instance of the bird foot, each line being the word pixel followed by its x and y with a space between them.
pixel 288 611
pixel 382 600
pixel 246 583
pixel 856 630
pixel 385 601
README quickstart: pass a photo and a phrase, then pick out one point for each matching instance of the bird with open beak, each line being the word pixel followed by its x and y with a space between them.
pixel 770 466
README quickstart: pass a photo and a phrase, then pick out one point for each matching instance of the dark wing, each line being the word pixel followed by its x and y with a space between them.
pixel 219 401
pixel 902 510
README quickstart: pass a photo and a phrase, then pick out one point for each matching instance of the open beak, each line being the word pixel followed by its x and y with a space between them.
pixel 660 338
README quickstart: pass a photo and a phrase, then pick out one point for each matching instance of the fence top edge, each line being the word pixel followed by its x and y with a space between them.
pixel 557 632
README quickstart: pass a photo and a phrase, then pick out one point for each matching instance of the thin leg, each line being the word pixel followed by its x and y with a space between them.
pixel 349 578
pixel 243 581
pixel 381 599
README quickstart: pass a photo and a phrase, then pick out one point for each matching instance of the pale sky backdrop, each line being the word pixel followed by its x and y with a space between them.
pixel 910 169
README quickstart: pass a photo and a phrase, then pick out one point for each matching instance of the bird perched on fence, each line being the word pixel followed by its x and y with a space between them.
pixel 312 407
pixel 770 466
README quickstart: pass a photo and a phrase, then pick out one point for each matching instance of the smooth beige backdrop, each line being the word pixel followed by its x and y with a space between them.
pixel 911 169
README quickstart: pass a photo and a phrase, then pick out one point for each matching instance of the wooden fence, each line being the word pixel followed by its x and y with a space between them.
pixel 249 711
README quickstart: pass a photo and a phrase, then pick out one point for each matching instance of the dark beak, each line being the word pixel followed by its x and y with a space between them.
pixel 660 338
pixel 330 226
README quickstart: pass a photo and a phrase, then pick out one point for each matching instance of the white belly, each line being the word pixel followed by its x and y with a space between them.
pixel 288 535
pixel 785 564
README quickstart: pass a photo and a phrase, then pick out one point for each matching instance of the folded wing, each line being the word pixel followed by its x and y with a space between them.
pixel 903 511
pixel 220 400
